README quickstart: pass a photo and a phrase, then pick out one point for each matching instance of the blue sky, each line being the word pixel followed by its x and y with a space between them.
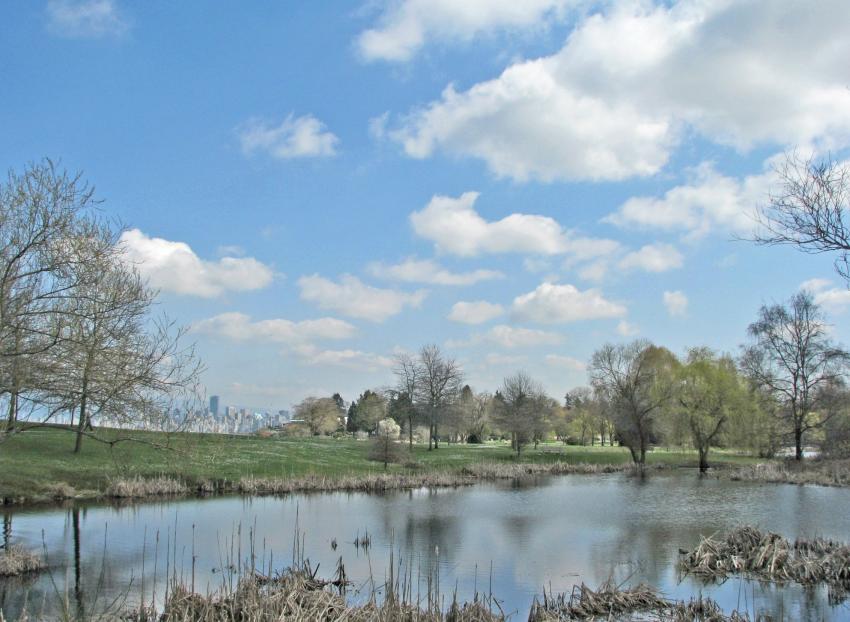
pixel 316 187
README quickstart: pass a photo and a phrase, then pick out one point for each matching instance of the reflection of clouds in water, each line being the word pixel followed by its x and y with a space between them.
pixel 559 532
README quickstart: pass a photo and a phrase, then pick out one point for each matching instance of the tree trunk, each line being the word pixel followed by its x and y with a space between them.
pixel 13 412
pixel 81 424
pixel 798 442
pixel 703 459
pixel 410 430
pixel 436 436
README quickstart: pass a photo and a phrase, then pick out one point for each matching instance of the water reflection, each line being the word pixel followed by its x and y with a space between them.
pixel 521 536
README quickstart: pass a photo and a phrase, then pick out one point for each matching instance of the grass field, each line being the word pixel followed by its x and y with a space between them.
pixel 36 464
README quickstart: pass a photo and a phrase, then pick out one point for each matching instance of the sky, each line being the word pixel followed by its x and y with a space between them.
pixel 315 188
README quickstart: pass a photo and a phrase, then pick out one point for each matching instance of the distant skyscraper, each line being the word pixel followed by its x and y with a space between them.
pixel 214 405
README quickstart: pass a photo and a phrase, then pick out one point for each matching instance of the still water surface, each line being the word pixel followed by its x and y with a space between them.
pixel 515 537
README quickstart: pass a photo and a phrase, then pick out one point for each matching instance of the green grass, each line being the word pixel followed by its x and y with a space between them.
pixel 36 463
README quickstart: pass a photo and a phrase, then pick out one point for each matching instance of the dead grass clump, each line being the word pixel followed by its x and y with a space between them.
pixel 610 602
pixel 138 487
pixel 814 472
pixel 16 561
pixel 769 556
pixel 297 595
pixel 61 491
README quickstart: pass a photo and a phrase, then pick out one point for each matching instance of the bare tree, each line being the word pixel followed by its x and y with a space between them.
pixel 520 407
pixel 632 378
pixel 438 386
pixel 794 359
pixel 810 209
pixel 46 234
pixel 407 372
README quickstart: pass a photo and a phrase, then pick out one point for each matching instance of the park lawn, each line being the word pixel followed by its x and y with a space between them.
pixel 37 463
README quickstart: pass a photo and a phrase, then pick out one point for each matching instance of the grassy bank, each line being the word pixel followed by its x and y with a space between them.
pixel 40 465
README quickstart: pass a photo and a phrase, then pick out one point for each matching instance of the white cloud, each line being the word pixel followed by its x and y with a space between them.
pixel 79 19
pixel 653 258
pixel 708 202
pixel 676 303
pixel 174 267
pixel 353 298
pixel 454 226
pixel 350 359
pixel 633 80
pixel 627 329
pixel 429 271
pixel 240 327
pixel 476 312
pixel 405 27
pixel 552 303
pixel 295 137
pixel 510 337
pixel 833 299
pixel 565 361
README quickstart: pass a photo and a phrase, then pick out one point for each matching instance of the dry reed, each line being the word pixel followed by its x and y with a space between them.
pixel 611 602
pixel 138 487
pixel 814 472
pixel 769 556
pixel 16 561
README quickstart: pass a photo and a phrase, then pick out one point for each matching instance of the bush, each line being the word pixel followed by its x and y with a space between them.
pixel 385 449
pixel 296 430
pixel 388 427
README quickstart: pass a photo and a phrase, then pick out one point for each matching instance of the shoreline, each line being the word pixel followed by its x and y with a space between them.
pixel 166 487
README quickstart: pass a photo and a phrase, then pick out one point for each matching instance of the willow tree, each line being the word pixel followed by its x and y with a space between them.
pixel 709 393
pixel 634 379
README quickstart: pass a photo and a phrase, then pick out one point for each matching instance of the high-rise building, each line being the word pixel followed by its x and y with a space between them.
pixel 214 405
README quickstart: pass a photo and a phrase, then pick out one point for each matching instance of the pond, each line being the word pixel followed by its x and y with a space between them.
pixel 513 538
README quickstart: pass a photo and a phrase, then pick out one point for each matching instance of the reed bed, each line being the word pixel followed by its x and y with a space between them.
pixel 16 561
pixel 297 595
pixel 381 482
pixel 611 602
pixel 138 487
pixel 813 472
pixel 769 556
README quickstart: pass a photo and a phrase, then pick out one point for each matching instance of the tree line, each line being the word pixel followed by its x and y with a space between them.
pixel 786 387
pixel 79 339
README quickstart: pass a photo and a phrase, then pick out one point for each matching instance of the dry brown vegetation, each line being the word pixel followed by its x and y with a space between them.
pixel 611 602
pixel 138 487
pixel 818 472
pixel 16 561
pixel 769 556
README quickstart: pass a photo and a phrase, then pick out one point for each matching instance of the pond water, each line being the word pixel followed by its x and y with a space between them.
pixel 511 537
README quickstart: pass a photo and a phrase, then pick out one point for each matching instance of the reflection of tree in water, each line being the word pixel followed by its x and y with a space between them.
pixel 639 549
pixel 423 525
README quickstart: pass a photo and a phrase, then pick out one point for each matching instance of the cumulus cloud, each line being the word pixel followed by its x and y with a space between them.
pixel 455 227
pixel 353 298
pixel 476 312
pixel 79 19
pixel 240 327
pixel 676 303
pixel 552 303
pixel 174 267
pixel 653 258
pixel 509 337
pixel 634 79
pixel 405 27
pixel 833 299
pixel 709 202
pixel 295 137
pixel 566 361
pixel 627 329
pixel 350 359
pixel 430 272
